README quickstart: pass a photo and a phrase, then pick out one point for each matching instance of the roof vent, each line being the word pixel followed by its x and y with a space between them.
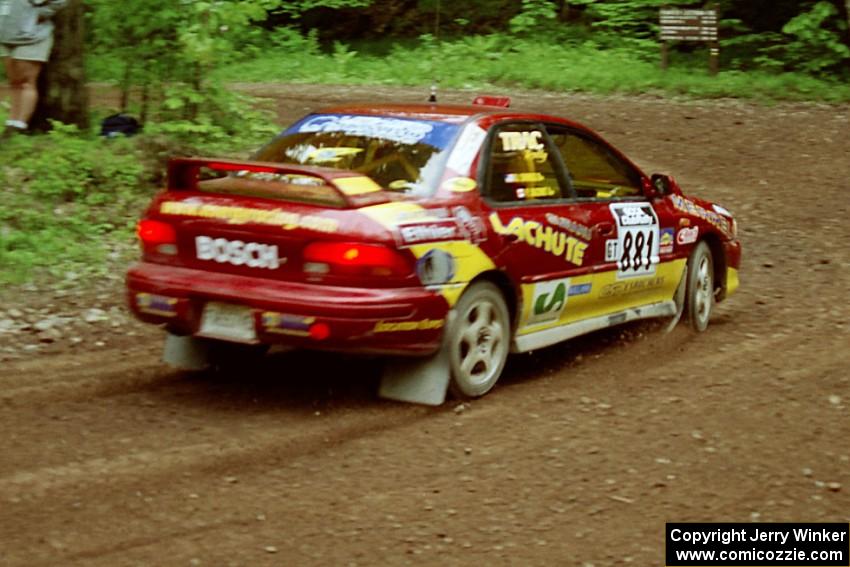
pixel 500 101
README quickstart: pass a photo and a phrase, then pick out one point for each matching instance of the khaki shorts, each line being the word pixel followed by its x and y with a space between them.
pixel 33 52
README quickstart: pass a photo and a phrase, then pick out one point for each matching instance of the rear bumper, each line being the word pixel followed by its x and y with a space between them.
pixel 406 321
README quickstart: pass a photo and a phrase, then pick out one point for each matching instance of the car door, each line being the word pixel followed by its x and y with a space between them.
pixel 632 244
pixel 546 241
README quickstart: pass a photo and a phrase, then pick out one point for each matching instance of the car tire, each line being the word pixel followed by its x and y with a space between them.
pixel 478 340
pixel 700 294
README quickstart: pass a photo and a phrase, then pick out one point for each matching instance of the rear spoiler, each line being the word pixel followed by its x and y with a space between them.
pixel 303 183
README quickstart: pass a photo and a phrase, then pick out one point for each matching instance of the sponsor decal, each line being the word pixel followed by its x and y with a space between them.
pixel 238 253
pixel 356 185
pixel 435 267
pixel 156 304
pixel 630 286
pixel 393 129
pixel 534 192
pixel 687 235
pixel 611 250
pixel 244 215
pixel 628 215
pixel 331 155
pixel 580 289
pixel 286 324
pixel 637 239
pixel 570 225
pixel 518 141
pixel 548 301
pixel 525 142
pixel 287 178
pixel 472 226
pixel 546 237
pixel 721 210
pixel 666 241
pixel 418 214
pixel 392 326
pixel 712 217
pixel 460 184
pixel 531 177
pixel 429 231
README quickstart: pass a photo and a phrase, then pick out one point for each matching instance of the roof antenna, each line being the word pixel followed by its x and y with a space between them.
pixel 434 81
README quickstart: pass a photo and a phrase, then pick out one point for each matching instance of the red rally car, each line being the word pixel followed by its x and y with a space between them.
pixel 451 235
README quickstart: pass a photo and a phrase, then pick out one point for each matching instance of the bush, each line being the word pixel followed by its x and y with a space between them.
pixel 68 202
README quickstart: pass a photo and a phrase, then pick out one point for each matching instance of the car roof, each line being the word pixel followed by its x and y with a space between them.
pixel 451 113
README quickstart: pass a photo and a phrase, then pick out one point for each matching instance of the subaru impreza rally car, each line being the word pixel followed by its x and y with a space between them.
pixel 445 236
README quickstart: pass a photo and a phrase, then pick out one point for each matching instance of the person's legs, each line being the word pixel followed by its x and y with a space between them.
pixel 22 77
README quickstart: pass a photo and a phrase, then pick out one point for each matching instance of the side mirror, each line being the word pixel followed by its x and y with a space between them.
pixel 664 185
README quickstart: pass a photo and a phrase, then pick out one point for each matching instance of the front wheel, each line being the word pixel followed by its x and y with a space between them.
pixel 700 287
pixel 478 340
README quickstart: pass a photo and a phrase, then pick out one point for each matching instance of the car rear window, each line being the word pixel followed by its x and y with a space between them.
pixel 400 154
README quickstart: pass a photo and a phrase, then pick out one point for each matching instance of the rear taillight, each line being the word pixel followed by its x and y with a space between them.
pixel 158 236
pixel 354 259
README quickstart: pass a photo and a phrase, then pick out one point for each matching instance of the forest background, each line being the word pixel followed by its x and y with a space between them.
pixel 70 197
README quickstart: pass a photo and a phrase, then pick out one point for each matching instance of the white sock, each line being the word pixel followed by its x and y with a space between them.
pixel 20 124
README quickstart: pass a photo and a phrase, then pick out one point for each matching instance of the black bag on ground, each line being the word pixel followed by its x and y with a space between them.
pixel 119 125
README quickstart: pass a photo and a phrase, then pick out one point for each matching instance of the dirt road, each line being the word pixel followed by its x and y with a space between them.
pixel 577 458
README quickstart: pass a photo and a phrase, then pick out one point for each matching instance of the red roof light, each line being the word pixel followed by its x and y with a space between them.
pixel 487 100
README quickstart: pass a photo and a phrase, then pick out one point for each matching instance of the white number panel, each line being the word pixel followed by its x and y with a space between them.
pixel 637 239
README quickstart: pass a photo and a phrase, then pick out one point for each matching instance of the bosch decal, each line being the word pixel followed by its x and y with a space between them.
pixel 238 253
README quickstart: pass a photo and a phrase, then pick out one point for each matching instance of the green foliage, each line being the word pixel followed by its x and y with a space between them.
pixel 534 16
pixel 815 47
pixel 68 200
pixel 298 7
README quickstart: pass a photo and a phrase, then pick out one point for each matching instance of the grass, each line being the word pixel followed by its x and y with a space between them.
pixel 486 61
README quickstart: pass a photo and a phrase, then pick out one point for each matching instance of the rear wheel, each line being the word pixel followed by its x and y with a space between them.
pixel 700 287
pixel 478 338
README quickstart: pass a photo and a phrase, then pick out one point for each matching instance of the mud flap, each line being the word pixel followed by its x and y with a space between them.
pixel 186 353
pixel 679 298
pixel 419 380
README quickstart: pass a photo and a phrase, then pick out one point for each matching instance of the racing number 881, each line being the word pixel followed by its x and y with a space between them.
pixel 641 256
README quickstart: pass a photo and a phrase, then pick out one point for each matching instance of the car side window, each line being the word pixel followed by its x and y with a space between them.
pixel 520 166
pixel 594 170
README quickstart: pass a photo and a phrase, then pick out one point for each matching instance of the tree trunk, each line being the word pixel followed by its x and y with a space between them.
pixel 62 84
pixel 847 7
pixel 564 11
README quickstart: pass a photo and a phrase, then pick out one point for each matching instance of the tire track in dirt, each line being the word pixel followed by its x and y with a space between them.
pixel 579 456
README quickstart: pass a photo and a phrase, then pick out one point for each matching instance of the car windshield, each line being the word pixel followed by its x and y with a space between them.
pixel 400 154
